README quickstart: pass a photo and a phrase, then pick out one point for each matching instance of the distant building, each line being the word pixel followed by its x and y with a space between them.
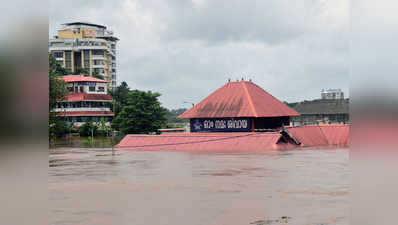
pixel 332 94
pixel 322 111
pixel 240 106
pixel 87 100
pixel 86 46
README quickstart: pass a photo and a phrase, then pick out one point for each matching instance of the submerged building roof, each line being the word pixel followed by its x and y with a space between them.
pixel 239 99
pixel 337 135
pixel 230 142
pixel 321 135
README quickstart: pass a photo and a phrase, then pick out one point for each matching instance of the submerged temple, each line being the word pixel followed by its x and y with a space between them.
pixel 233 118
pixel 238 106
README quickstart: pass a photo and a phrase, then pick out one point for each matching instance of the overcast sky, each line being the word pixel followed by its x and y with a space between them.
pixel 185 49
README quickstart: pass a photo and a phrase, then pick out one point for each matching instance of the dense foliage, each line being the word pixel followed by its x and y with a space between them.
pixel 57 91
pixel 292 105
pixel 59 128
pixel 96 75
pixel 137 111
pixel 172 116
pixel 80 71
pixel 120 95
pixel 87 129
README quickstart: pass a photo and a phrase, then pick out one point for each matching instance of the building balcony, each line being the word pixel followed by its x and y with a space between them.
pixel 99 66
pixel 81 109
pixel 98 57
pixel 77 48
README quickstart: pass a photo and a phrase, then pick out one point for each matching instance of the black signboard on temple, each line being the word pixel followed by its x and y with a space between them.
pixel 221 124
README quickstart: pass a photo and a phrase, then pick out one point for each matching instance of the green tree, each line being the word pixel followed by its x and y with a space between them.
pixel 172 116
pixel 59 128
pixel 57 90
pixel 142 113
pixel 57 68
pixel 80 71
pixel 96 75
pixel 120 95
pixel 102 128
pixel 88 128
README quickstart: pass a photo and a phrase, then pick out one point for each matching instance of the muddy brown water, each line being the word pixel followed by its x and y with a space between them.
pixel 93 186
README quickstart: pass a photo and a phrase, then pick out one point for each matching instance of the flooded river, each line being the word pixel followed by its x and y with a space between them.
pixel 93 186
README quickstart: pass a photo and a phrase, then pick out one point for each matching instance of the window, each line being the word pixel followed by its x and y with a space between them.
pixel 98 62
pixel 68 59
pixel 86 58
pixel 98 52
pixel 101 89
pixel 91 89
pixel 70 89
pixel 58 54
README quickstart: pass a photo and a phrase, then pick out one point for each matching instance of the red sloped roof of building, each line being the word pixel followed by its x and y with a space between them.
pixel 234 142
pixel 239 99
pixel 86 96
pixel 321 135
pixel 81 77
pixel 308 135
pixel 337 134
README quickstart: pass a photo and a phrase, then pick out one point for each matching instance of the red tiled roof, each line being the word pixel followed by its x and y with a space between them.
pixel 321 135
pixel 204 142
pixel 308 136
pixel 337 135
pixel 88 113
pixel 239 99
pixel 78 78
pixel 86 96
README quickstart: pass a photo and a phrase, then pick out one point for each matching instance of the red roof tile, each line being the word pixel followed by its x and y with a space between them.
pixel 308 135
pixel 78 78
pixel 239 99
pixel 86 96
pixel 321 135
pixel 337 134
pixel 204 142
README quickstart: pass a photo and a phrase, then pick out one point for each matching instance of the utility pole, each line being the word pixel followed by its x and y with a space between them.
pixel 92 135
pixel 113 132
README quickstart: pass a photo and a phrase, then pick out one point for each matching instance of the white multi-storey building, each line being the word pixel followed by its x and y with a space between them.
pixel 87 47
pixel 332 94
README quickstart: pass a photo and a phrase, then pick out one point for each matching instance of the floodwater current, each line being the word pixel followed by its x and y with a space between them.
pixel 96 186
